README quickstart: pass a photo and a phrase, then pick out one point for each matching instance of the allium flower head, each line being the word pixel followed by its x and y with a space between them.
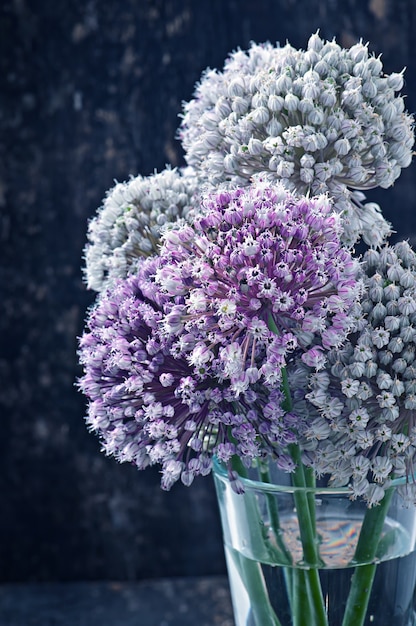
pixel 322 120
pixel 127 226
pixel 183 359
pixel 152 405
pixel 260 275
pixel 372 382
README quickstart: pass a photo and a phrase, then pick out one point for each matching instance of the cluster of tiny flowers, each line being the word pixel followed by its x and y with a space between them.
pixel 260 276
pixel 322 120
pixel 128 224
pixel 151 405
pixel 232 318
pixel 365 432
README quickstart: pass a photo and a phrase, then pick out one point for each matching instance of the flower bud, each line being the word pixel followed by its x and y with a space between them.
pixel 240 105
pixel 358 52
pixel 275 103
pixel 255 146
pixel 236 87
pixel 315 42
pixel 395 81
pixel 273 127
pixel 260 115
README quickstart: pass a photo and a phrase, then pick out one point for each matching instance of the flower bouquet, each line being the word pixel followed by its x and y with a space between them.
pixel 236 329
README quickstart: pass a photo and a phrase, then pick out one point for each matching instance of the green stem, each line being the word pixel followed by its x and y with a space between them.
pixel 305 583
pixel 301 602
pixel 315 595
pixel 250 571
pixel 310 480
pixel 287 402
pixel 365 552
pixel 255 585
pixel 305 509
pixel 260 540
pixel 288 572
pixel 238 466
pixel 371 529
pixel 305 503
pixel 359 595
pixel 273 509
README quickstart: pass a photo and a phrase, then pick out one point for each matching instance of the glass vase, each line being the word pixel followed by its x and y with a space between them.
pixel 311 556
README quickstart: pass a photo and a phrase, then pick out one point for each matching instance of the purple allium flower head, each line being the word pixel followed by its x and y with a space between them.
pixel 366 396
pixel 151 404
pixel 260 275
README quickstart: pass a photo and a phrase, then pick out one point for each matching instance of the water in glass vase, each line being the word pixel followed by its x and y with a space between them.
pixel 262 590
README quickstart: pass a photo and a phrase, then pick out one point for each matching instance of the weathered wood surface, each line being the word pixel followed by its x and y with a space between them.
pixel 90 92
pixel 167 602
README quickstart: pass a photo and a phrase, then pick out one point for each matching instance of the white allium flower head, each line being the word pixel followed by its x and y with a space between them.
pixel 128 224
pixel 273 106
pixel 373 378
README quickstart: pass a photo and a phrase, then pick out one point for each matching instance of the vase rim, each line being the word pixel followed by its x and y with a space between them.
pixel 220 470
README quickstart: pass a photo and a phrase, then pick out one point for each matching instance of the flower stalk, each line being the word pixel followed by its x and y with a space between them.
pixel 365 552
pixel 310 592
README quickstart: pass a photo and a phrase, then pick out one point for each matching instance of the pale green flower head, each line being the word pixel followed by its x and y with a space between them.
pixel 322 120
pixel 364 406
pixel 127 225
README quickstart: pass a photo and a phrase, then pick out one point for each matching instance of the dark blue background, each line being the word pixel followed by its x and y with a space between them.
pixel 90 92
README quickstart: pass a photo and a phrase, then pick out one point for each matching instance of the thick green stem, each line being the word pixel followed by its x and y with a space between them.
pixel 255 585
pixel 238 466
pixel 371 530
pixel 305 509
pixel 250 571
pixel 365 552
pixel 301 602
pixel 287 402
pixel 359 596
pixel 310 480
pixel 273 509
pixel 288 573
